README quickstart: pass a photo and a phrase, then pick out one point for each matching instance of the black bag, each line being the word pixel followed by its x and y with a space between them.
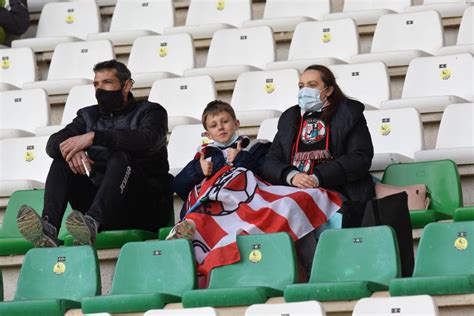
pixel 393 211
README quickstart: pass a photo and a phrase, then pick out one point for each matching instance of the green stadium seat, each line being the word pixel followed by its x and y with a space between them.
pixel 1 286
pixel 267 265
pixel 54 280
pixel 11 241
pixel 464 214
pixel 350 264
pixel 115 238
pixel 441 177
pixel 444 262
pixel 148 275
pixel 164 232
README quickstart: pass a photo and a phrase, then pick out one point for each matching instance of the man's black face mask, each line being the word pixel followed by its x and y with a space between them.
pixel 109 101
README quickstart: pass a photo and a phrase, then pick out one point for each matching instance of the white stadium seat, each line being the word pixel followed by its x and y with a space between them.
pixel 37 5
pixel 183 144
pixel 447 8
pixel 183 98
pixel 259 95
pixel 399 38
pixel 18 65
pixel 366 12
pixel 455 136
pixel 234 51
pixel 62 22
pixel 160 56
pixel 24 164
pixel 133 19
pixel 307 308
pixel 79 97
pixel 368 83
pixel 23 111
pixel 396 136
pixel 72 65
pixel 422 305
pixel 321 42
pixel 431 83
pixel 201 311
pixel 465 40
pixel 268 129
pixel 284 15
pixel 205 17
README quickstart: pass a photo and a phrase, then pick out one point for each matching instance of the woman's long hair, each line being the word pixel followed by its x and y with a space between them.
pixel 336 97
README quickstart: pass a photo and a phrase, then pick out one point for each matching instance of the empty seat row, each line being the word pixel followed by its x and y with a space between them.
pixel 152 274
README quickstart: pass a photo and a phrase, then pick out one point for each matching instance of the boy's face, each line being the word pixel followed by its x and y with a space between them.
pixel 221 127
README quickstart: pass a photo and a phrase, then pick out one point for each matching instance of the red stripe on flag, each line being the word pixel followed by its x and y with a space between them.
pixel 305 202
pixel 266 220
pixel 227 254
pixel 210 231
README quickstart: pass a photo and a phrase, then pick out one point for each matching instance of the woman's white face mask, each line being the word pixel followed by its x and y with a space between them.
pixel 309 99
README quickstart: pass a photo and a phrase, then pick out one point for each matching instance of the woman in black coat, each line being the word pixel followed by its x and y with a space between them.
pixel 324 142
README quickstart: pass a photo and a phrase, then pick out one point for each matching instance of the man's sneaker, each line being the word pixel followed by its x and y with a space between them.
pixel 82 227
pixel 184 229
pixel 35 229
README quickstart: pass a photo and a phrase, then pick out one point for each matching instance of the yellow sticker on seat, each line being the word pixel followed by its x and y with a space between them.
pixel 445 74
pixel 59 268
pixel 163 51
pixel 5 62
pixel 255 256
pixel 326 37
pixel 70 19
pixel 461 243
pixel 220 5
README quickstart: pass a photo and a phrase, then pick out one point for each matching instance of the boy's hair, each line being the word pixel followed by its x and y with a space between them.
pixel 123 73
pixel 216 107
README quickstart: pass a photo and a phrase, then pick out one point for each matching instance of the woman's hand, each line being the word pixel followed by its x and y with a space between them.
pixel 304 181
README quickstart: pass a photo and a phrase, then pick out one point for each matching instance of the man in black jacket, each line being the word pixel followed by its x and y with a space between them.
pixel 110 164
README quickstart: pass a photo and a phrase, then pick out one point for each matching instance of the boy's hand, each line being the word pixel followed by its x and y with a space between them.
pixel 206 166
pixel 232 153
pixel 304 181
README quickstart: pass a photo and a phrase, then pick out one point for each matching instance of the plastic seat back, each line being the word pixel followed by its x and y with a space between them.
pixel 395 131
pixel 76 19
pixel 456 127
pixel 406 31
pixel 440 75
pixel 24 158
pixel 232 12
pixel 184 141
pixel 358 5
pixel 78 97
pixel 356 254
pixel 369 82
pixel 266 260
pixel 155 267
pixel 240 46
pixel 184 96
pixel 153 15
pixel 265 90
pixel 76 60
pixel 337 39
pixel 18 65
pixel 289 8
pixel 268 129
pixel 59 273
pixel 445 249
pixel 170 53
pixel 465 34
pixel 24 109
pixel 313 308
pixel 403 305
pixel 441 177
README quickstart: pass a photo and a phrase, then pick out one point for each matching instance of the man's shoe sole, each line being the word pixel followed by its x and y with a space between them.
pixel 77 226
pixel 31 227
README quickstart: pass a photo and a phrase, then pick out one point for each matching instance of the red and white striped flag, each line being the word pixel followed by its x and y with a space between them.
pixel 236 202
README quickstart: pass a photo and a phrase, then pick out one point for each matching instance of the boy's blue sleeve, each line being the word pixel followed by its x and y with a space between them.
pixel 188 177
pixel 245 160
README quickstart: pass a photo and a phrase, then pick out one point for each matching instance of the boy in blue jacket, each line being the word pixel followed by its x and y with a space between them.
pixel 227 147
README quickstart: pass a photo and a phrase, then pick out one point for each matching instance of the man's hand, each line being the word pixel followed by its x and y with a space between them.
pixel 232 153
pixel 304 181
pixel 206 166
pixel 73 145
pixel 77 162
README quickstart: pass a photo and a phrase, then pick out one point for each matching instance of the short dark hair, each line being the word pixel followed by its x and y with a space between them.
pixel 216 107
pixel 123 73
